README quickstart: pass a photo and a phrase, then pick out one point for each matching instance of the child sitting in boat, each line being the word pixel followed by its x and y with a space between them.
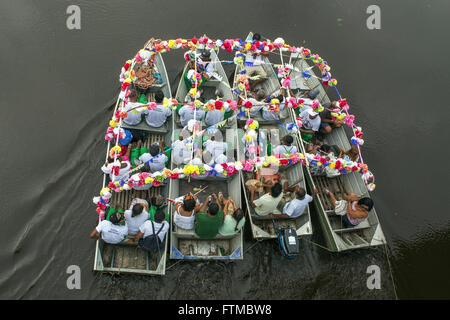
pixel 157 117
pixel 234 217
pixel 135 217
pixel 208 222
pixel 353 209
pixel 286 147
pixel 111 230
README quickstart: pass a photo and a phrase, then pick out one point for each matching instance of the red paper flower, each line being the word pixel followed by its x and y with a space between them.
pixel 218 104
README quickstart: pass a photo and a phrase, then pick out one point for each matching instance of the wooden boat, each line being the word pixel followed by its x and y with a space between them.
pixel 185 244
pixel 338 238
pixel 217 84
pixel 272 132
pixel 129 258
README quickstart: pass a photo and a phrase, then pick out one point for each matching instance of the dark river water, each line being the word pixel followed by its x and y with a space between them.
pixel 56 89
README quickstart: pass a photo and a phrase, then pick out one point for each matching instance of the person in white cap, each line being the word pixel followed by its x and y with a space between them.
pixel 311 123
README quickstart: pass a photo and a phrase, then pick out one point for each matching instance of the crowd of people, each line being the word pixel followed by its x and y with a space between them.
pixel 142 222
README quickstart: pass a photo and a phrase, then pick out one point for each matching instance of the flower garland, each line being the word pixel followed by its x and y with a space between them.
pixel 157 178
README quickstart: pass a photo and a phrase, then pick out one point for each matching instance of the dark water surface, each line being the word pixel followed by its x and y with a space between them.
pixel 58 84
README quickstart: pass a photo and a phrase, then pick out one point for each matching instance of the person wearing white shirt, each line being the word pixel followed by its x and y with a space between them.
pixel 156 157
pixel 216 148
pixel 294 202
pixel 134 116
pixel 160 227
pixel 286 147
pixel 111 231
pixel 136 217
pixel 180 152
pixel 125 167
pixel 311 123
pixel 187 113
pixel 157 117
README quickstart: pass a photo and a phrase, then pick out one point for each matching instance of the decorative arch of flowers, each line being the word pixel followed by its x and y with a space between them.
pixel 240 47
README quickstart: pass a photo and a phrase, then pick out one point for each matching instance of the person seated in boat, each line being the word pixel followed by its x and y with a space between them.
pixel 234 217
pixel 159 227
pixel 352 154
pixel 156 158
pixel 333 151
pixel 204 65
pixel 140 199
pixel 257 99
pixel 272 112
pixel 215 116
pixel 267 203
pixel 253 64
pixel 286 147
pixel 353 209
pixel 185 211
pixel 215 148
pixel 294 202
pixel 111 231
pixel 327 124
pixel 121 173
pixel 181 153
pixel 208 222
pixel 134 115
pixel 147 75
pixel 311 123
pixel 135 217
pixel 189 112
pixel 157 117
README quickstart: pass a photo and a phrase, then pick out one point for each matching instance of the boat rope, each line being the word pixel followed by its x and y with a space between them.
pixel 390 271
pixel 316 244
pixel 172 265
pixel 254 244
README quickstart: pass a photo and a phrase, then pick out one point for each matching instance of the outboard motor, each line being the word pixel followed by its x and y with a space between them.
pixel 288 239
